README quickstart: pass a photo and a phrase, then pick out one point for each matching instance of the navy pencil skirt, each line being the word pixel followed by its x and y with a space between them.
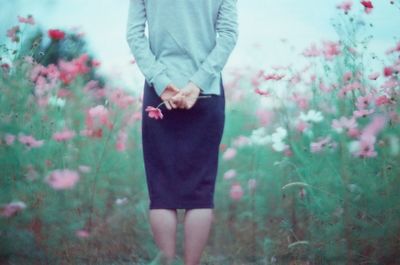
pixel 181 151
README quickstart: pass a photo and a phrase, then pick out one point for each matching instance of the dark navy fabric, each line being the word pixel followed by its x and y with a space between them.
pixel 181 151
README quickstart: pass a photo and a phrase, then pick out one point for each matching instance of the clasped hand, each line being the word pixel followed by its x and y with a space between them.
pixel 184 98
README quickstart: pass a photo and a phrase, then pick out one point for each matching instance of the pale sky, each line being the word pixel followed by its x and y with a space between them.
pixel 262 26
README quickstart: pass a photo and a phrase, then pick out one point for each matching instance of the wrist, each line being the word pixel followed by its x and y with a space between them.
pixel 196 86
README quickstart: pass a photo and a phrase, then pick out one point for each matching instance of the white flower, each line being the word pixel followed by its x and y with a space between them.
pixel 231 173
pixel 394 146
pixel 277 139
pixel 259 137
pixel 312 115
pixel 121 201
pixel 354 146
pixel 279 146
pixel 279 134
pixel 56 101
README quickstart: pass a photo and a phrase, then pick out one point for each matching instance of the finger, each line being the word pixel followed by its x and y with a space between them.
pixel 173 89
pixel 183 104
pixel 187 104
pixel 179 101
pixel 167 105
pixel 171 102
pixel 176 97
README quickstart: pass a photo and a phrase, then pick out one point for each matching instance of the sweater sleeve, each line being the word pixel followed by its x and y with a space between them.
pixel 227 29
pixel 153 71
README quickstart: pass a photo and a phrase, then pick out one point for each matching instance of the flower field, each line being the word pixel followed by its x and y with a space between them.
pixel 309 162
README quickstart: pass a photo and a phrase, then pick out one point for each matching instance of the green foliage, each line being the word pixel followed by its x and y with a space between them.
pixel 324 206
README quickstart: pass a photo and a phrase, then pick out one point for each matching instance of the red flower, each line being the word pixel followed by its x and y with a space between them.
pixel 388 71
pixel 56 34
pixel 154 112
pixel 367 4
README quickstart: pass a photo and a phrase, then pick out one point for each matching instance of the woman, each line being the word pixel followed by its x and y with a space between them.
pixel 182 59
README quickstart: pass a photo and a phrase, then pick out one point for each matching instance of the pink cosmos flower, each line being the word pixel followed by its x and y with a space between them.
pixel 240 141
pixel 344 123
pixel 64 135
pixel 375 126
pixel 260 92
pixel 70 70
pixel 98 116
pixel 288 152
pixel 364 102
pixel 28 20
pixel 353 133
pixel 352 50
pixel 29 140
pixel 300 100
pixel 301 126
pixel 121 99
pixel 95 133
pixel 82 233
pixel 394 49
pixel 95 63
pixel 229 153
pixel 312 51
pixel 347 76
pixel 331 49
pixel 64 93
pixel 367 138
pixel 12 33
pixel 349 87
pixel 236 192
pixel 9 138
pixel 363 113
pixel 391 83
pixel 319 145
pixel 295 79
pixel 5 67
pixel 12 208
pixel 382 100
pixel 374 76
pixel 62 179
pixel 264 116
pixel 273 76
pixel 345 6
pixel 366 148
pixel 122 138
pixel 154 113
pixel 324 88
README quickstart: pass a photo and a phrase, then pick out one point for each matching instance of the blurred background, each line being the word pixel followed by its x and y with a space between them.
pixel 308 168
pixel 271 32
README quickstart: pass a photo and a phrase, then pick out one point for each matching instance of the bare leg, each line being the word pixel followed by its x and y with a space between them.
pixel 197 225
pixel 163 224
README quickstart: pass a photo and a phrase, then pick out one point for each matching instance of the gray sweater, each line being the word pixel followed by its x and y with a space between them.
pixel 182 43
